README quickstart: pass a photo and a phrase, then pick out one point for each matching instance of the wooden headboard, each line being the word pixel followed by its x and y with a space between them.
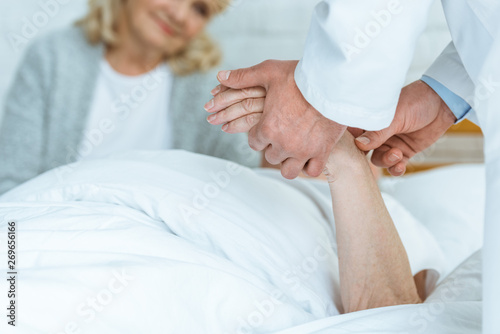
pixel 465 126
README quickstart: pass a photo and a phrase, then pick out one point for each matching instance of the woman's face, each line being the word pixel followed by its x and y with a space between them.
pixel 167 25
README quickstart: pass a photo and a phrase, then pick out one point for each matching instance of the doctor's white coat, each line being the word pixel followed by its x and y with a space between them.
pixel 355 62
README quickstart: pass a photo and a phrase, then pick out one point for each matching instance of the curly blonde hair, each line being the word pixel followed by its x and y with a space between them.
pixel 201 54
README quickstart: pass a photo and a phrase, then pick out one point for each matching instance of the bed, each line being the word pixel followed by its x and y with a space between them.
pixel 176 242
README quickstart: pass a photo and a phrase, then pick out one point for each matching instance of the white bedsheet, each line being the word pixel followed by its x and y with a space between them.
pixel 174 242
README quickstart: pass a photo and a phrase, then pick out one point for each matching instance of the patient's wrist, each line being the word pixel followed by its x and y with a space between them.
pixel 346 160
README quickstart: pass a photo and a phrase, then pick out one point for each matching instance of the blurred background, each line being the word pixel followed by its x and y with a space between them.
pixel 249 32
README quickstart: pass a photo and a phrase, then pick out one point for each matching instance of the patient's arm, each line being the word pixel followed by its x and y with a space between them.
pixel 374 267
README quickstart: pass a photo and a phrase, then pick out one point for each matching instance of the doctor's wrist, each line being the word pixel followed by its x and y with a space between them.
pixel 445 113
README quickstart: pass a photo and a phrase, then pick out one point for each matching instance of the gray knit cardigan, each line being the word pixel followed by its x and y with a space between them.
pixel 48 104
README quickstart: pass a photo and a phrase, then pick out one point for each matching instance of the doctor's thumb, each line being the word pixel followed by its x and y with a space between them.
pixel 242 78
pixel 371 140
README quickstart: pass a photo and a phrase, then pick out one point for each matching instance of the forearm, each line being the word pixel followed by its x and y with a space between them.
pixel 374 267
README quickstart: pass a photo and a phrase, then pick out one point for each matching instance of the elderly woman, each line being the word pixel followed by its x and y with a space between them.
pixel 127 76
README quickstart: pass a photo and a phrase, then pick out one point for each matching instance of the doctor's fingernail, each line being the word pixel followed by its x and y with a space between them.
pixel 211 118
pixel 224 75
pixel 215 91
pixel 398 169
pixel 210 104
pixel 225 126
pixel 363 140
pixel 393 158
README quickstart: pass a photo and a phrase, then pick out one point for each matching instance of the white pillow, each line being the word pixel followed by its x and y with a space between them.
pixel 450 202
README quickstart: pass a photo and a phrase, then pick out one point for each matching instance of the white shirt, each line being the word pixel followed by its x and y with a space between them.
pixel 128 113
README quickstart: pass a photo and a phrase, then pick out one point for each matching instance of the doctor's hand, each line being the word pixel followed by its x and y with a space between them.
pixel 421 119
pixel 289 130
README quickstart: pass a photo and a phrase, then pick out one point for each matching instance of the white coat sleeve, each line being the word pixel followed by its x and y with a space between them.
pixel 449 70
pixel 356 58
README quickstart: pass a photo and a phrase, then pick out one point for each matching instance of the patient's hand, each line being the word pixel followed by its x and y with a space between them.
pixel 245 108
pixel 289 131
pixel 245 111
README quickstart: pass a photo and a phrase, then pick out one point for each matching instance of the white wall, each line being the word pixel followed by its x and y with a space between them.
pixel 255 30
pixel 250 32
pixel 24 20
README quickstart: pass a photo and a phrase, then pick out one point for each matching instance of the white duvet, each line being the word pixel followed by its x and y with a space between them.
pixel 175 242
